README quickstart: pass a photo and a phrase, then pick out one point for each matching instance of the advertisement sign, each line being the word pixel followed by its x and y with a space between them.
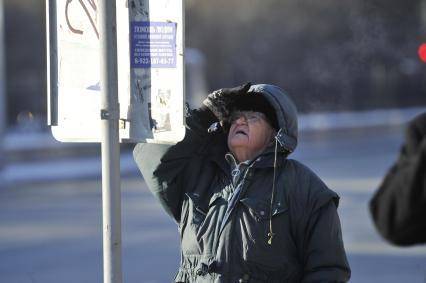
pixel 150 43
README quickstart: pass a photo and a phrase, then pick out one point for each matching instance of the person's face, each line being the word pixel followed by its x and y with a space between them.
pixel 249 134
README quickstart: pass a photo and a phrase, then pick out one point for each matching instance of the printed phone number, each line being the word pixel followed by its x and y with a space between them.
pixel 154 61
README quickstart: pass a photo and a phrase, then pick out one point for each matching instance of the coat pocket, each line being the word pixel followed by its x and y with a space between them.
pixel 256 217
pixel 262 209
pixel 199 209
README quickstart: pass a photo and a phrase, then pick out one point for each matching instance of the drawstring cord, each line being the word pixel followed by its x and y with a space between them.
pixel 271 234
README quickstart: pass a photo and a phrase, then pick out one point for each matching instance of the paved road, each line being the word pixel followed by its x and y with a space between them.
pixel 51 231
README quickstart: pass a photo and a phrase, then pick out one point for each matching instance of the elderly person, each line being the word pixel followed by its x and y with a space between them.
pixel 245 212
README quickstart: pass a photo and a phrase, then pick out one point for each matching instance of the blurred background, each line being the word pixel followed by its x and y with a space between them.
pixel 352 67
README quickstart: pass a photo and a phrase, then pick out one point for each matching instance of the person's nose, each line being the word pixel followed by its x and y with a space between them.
pixel 241 120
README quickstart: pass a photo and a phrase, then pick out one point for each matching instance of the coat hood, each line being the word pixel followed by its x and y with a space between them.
pixel 285 112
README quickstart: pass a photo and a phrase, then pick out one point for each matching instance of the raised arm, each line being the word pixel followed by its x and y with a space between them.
pixel 163 166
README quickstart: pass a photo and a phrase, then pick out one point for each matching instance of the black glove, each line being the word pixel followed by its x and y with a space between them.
pixel 218 101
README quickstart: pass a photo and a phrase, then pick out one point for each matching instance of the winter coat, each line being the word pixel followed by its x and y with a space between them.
pixel 398 207
pixel 224 223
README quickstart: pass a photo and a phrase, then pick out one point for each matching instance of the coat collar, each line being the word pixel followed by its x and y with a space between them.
pixel 263 160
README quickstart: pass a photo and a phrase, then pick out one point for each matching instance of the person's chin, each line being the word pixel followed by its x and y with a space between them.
pixel 238 141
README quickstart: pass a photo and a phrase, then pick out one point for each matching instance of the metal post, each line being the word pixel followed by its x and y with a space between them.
pixel 52 62
pixel 2 87
pixel 111 199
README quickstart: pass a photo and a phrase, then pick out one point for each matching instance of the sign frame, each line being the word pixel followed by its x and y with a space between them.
pixel 151 98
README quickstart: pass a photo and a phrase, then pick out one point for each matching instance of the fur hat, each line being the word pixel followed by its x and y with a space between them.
pixel 258 103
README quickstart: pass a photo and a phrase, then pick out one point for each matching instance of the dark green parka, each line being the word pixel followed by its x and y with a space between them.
pixel 225 239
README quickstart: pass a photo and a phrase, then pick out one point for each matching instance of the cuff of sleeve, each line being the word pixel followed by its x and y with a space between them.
pixel 204 116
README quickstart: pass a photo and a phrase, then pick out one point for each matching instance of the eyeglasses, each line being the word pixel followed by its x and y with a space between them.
pixel 249 116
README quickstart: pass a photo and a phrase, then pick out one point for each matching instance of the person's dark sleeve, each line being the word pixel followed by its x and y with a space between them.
pixel 324 254
pixel 163 166
pixel 399 206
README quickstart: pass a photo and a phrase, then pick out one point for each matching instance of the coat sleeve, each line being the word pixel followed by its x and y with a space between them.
pixel 316 228
pixel 163 166
pixel 399 206
pixel 324 254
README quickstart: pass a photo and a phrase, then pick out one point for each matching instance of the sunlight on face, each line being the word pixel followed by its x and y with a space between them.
pixel 249 134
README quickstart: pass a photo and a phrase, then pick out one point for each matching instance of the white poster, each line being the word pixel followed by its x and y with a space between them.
pixel 150 45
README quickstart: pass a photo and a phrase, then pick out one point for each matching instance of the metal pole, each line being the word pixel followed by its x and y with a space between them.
pixel 2 87
pixel 52 62
pixel 111 199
